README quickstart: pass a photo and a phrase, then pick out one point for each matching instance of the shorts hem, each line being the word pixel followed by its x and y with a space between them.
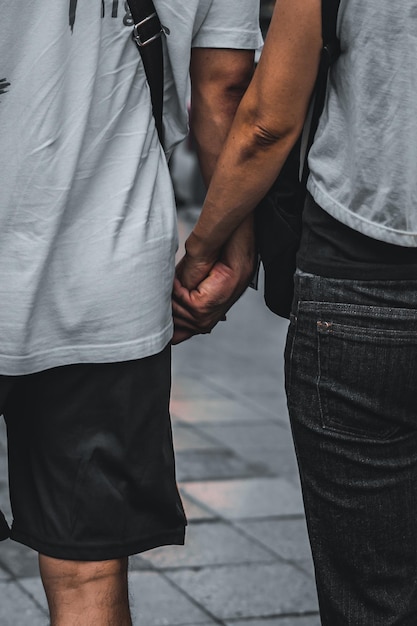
pixel 78 552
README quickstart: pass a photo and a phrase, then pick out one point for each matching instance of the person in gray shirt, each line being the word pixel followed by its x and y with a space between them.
pixel 351 352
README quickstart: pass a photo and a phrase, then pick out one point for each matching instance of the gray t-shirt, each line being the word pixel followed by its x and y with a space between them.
pixel 87 214
pixel 364 158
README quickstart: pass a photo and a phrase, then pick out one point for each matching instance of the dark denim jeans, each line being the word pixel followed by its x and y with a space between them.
pixel 351 378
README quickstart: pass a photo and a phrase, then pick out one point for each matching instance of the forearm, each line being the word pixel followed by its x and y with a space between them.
pixel 266 126
pixel 219 78
pixel 246 170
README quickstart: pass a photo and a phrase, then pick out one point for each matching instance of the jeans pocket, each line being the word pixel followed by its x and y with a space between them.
pixel 366 379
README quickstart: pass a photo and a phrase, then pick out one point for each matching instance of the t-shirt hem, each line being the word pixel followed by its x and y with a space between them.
pixel 357 222
pixel 244 40
pixel 70 355
pixel 358 271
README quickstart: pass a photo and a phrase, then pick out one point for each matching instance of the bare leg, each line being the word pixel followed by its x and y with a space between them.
pixel 86 593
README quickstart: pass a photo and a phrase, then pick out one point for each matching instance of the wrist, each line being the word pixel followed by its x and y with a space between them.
pixel 196 248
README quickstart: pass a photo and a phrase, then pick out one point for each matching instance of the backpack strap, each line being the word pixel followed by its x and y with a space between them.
pixel 331 45
pixel 147 34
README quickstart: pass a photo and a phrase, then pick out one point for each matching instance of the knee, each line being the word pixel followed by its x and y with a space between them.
pixel 83 592
pixel 75 575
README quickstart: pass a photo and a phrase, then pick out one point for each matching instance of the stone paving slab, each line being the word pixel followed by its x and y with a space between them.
pixel 309 620
pixel 209 544
pixel 264 395
pixel 249 591
pixel 197 465
pixel 17 608
pixel 192 410
pixel 33 586
pixel 4 490
pixel 241 437
pixel 18 560
pixel 193 510
pixel 4 484
pixel 273 463
pixel 249 344
pixel 264 390
pixel 156 602
pixel 247 498
pixel 137 563
pixel 266 447
pixel 4 576
pixel 186 386
pixel 188 437
pixel 270 407
pixel 286 537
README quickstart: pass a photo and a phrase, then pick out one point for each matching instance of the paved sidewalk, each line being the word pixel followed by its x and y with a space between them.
pixel 246 561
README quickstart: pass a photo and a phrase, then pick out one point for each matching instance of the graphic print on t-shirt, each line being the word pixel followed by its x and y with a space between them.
pixel 127 18
pixel 72 11
pixel 3 86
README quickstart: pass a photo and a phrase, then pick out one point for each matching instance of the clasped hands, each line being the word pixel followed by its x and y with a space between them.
pixel 206 287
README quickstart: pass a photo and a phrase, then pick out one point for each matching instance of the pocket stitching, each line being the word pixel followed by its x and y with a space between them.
pixel 324 329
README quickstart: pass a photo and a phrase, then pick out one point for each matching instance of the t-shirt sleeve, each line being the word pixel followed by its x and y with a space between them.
pixel 230 24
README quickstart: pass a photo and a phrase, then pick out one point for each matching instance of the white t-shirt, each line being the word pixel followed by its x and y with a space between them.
pixel 87 215
pixel 364 157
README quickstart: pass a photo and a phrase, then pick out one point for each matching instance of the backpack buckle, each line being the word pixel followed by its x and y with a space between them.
pixel 144 32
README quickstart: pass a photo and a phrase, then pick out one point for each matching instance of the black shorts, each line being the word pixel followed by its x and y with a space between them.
pixel 91 463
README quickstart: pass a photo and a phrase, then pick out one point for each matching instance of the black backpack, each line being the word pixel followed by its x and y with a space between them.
pixel 278 216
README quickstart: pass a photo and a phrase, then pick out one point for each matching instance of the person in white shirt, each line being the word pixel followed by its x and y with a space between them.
pixel 87 244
